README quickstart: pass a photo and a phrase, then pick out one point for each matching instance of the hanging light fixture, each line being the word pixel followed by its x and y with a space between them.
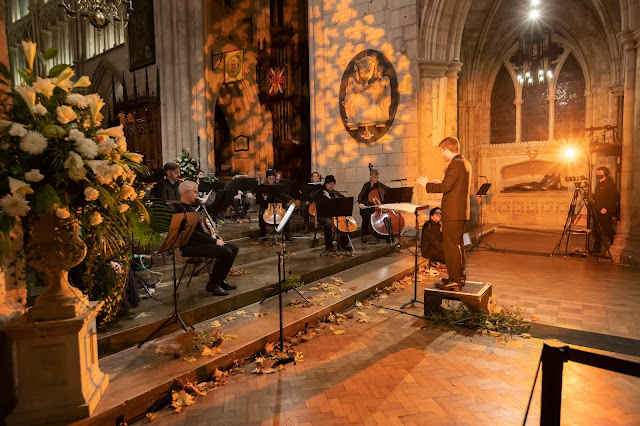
pixel 99 12
pixel 536 52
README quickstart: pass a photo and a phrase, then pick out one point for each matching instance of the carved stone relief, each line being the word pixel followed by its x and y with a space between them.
pixel 368 96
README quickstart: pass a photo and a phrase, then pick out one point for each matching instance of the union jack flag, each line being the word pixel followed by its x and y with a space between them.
pixel 276 81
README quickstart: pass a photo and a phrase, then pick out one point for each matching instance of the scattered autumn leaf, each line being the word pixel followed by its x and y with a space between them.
pixel 211 351
pixel 230 318
pixel 525 335
pixel 534 318
pixel 181 399
pixel 268 348
pixel 358 304
pixel 382 311
pixel 241 313
pixel 216 323
pixel 338 331
pixel 150 417
pixel 228 336
pixel 314 288
pixel 259 314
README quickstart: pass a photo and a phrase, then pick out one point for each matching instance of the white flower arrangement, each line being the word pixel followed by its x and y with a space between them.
pixel 55 158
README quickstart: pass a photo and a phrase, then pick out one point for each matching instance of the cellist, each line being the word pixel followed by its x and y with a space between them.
pixel 264 198
pixel 328 190
pixel 363 201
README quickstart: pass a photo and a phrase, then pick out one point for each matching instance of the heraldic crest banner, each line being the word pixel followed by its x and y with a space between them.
pixel 233 66
pixel 368 96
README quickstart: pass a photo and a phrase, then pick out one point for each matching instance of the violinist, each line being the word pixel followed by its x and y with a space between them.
pixel 207 244
pixel 167 188
pixel 264 198
pixel 363 201
pixel 328 190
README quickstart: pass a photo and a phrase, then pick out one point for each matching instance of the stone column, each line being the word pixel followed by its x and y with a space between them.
pixel 552 111
pixel 626 246
pixel 518 103
pixel 451 111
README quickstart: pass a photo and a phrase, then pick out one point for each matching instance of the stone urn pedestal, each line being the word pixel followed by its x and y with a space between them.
pixel 56 366
pixel 55 350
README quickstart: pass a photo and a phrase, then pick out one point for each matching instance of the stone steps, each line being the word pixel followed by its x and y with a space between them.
pixel 196 305
pixel 139 378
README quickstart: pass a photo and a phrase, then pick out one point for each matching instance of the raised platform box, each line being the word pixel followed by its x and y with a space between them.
pixel 475 295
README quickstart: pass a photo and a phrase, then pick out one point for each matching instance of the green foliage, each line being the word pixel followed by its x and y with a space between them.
pixel 496 319
pixel 292 281
pixel 188 166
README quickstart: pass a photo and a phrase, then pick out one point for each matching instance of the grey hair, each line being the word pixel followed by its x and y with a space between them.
pixel 187 185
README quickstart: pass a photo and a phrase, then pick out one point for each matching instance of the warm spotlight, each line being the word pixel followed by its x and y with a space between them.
pixel 534 14
pixel 570 153
pixel 535 2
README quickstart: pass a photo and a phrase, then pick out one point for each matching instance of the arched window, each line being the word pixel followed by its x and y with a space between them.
pixel 570 100
pixel 535 112
pixel 503 112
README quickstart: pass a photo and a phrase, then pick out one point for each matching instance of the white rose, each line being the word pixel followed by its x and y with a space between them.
pixel 91 194
pixel 33 175
pixel 18 187
pixel 39 109
pixel 78 100
pixel 62 213
pixel 17 129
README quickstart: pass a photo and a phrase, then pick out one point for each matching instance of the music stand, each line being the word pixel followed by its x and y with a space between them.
pixel 221 201
pixel 180 230
pixel 334 208
pixel 398 195
pixel 480 242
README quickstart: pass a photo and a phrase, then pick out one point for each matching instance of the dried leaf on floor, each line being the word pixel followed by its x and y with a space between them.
pixel 228 336
pixel 358 304
pixel 216 324
pixel 525 335
pixel 150 417
pixel 337 280
pixel 211 351
pixel 241 313
pixel 534 318
pixel 298 357
pixel 314 288
pixel 338 331
pixel 181 399
pixel 238 272
pixel 230 318
pixel 259 314
pixel 382 311
pixel 268 348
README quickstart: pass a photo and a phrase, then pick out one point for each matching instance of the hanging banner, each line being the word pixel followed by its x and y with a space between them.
pixel 276 81
pixel 233 66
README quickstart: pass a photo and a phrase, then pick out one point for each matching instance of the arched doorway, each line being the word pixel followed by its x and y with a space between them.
pixel 223 149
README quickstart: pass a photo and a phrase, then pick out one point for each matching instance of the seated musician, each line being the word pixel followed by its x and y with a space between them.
pixel 202 244
pixel 314 178
pixel 265 198
pixel 167 188
pixel 431 238
pixel 328 190
pixel 363 201
pixel 241 198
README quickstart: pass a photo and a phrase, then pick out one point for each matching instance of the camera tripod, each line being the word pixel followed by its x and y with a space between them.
pixel 574 214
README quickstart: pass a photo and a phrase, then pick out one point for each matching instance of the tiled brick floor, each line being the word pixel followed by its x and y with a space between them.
pixel 391 371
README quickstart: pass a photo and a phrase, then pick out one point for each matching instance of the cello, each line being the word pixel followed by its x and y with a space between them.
pixel 384 223
pixel 274 214
pixel 341 225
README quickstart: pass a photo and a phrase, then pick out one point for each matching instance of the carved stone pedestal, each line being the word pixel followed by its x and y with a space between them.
pixel 56 365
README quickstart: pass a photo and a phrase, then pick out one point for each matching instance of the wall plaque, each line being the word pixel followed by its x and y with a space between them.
pixel 368 96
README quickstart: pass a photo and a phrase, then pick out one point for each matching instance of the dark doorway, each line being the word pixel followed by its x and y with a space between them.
pixel 223 150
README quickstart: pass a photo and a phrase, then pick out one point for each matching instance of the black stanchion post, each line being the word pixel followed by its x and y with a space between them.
pixel 553 359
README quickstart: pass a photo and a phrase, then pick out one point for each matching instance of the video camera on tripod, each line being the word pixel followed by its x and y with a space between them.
pixel 578 181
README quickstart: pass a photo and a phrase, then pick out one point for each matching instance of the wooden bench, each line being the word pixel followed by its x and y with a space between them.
pixel 475 295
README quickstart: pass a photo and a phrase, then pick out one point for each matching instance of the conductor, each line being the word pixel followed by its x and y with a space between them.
pixel 455 188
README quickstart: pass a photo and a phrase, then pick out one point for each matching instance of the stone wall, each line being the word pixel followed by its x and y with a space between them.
pixel 338 32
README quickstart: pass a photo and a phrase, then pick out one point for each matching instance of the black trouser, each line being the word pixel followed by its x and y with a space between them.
pixel 224 256
pixel 452 232
pixel 329 235
pixel 263 225
pixel 241 206
pixel 366 220
pixel 606 226
pixel 304 209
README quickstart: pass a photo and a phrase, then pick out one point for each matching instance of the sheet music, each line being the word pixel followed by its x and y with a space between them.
pixel 403 207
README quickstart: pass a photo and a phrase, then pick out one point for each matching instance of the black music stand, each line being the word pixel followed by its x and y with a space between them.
pixel 480 242
pixel 180 230
pixel 398 195
pixel 417 209
pixel 222 200
pixel 334 208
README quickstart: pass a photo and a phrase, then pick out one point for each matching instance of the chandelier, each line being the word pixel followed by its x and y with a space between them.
pixel 536 52
pixel 99 12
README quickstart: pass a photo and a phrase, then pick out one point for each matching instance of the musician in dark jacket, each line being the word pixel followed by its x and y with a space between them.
pixel 264 198
pixel 455 188
pixel 328 191
pixel 167 188
pixel 201 244
pixel 363 201
pixel 604 203
pixel 431 238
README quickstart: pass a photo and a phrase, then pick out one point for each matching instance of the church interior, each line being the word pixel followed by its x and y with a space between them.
pixel 191 197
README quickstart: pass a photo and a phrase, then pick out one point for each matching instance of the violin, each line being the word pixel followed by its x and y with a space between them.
pixel 208 223
pixel 384 223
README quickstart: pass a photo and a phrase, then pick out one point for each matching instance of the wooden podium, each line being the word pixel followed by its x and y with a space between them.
pixel 475 295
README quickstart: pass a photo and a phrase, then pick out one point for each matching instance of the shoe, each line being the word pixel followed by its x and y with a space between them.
pixel 363 238
pixel 216 290
pixel 306 228
pixel 347 248
pixel 331 249
pixel 226 286
pixel 451 286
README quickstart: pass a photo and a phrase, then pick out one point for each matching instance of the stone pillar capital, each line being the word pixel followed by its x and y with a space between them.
pixel 636 35
pixel 626 39
pixel 439 69
pixel 617 89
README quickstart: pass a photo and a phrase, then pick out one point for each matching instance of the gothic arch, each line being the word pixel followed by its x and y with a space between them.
pixel 441 26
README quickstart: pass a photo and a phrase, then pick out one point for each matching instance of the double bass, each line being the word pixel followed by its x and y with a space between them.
pixel 384 223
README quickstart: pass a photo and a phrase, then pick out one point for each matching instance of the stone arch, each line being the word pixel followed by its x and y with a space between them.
pixel 441 25
pixel 104 81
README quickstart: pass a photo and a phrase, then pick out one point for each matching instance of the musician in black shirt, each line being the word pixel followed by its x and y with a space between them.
pixel 264 198
pixel 167 188
pixel 328 190
pixel 363 201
